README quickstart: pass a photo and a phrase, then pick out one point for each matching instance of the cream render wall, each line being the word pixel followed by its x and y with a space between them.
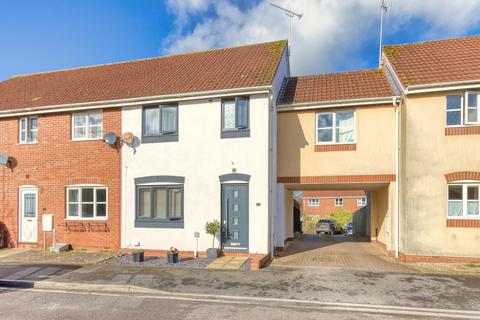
pixel 375 145
pixel 201 157
pixel 428 156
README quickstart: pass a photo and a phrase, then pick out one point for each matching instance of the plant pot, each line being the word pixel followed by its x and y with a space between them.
pixel 138 256
pixel 172 257
pixel 212 253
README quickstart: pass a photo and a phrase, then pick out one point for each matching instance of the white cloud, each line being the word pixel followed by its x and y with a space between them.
pixel 329 35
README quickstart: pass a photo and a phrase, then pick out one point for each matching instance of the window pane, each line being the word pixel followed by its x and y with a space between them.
pixel 175 203
pixel 472 115
pixel 33 136
pixel 472 193
pixel 73 195
pixel 345 135
pixel 144 202
pixel 455 208
pixel 242 113
pixel 29 205
pixel 152 121
pixel 454 118
pixel 23 136
pixel 23 123
pixel 95 119
pixel 169 119
pixel 87 210
pixel 454 102
pixel 79 133
pixel 160 203
pixel 87 195
pixel 325 135
pixel 95 132
pixel 229 114
pixel 325 120
pixel 73 210
pixel 101 210
pixel 79 120
pixel 455 192
pixel 33 123
pixel 101 195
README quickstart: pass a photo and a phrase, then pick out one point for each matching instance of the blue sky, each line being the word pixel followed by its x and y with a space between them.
pixel 333 35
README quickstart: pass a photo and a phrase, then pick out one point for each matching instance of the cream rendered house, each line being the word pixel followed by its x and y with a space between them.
pixel 408 133
pixel 207 152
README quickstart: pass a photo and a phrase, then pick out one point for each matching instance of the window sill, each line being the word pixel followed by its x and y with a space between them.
pixel 335 147
pixel 463 223
pixel 462 130
pixel 86 219
pixel 27 143
pixel 161 138
pixel 79 140
pixel 172 224
pixel 228 134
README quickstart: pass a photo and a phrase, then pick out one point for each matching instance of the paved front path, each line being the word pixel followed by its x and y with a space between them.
pixel 338 251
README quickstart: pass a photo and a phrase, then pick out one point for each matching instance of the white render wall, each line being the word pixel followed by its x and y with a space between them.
pixel 201 157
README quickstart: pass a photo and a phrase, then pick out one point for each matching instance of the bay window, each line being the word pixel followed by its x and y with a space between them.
pixel 463 200
pixel 335 127
pixel 87 202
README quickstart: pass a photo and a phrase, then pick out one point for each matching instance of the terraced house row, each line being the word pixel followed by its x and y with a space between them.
pixel 229 134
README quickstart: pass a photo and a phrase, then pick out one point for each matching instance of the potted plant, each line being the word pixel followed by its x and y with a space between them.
pixel 172 255
pixel 138 256
pixel 212 228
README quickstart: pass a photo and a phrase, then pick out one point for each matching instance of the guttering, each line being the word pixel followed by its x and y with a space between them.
pixel 335 104
pixel 442 86
pixel 134 101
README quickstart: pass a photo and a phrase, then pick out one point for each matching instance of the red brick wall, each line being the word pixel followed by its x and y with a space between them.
pixel 54 163
pixel 327 206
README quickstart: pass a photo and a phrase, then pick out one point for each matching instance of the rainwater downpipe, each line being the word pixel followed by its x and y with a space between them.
pixel 396 105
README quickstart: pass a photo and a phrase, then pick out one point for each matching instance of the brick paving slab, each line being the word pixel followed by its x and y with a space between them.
pixel 338 251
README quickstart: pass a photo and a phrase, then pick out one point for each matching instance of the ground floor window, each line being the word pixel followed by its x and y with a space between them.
pixel 159 203
pixel 463 200
pixel 87 202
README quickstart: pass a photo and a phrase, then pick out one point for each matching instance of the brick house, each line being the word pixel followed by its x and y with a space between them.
pixel 322 203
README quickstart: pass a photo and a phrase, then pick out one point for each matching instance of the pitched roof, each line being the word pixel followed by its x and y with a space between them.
pixel 334 193
pixel 231 68
pixel 361 84
pixel 436 61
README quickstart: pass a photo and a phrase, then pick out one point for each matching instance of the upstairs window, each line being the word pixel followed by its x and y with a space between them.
pixel 87 125
pixel 336 127
pixel 463 109
pixel 28 129
pixel 339 202
pixel 160 121
pixel 313 202
pixel 235 114
pixel 463 201
pixel 361 202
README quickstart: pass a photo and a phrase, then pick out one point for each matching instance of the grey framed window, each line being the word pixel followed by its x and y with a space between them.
pixel 28 130
pixel 160 123
pixel 159 206
pixel 235 117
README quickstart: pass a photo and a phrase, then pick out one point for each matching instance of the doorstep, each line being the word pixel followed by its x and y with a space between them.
pixel 228 263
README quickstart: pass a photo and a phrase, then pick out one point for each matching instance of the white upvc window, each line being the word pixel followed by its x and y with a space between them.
pixel 361 202
pixel 28 130
pixel 87 125
pixel 87 202
pixel 463 200
pixel 335 127
pixel 463 109
pixel 313 202
pixel 339 202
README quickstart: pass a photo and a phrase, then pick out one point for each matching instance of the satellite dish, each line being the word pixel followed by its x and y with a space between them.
pixel 4 159
pixel 110 138
pixel 128 137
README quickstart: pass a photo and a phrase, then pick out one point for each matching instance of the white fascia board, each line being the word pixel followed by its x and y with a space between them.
pixel 134 101
pixel 444 86
pixel 392 71
pixel 336 104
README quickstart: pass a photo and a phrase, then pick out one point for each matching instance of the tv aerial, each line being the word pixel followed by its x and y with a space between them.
pixel 290 14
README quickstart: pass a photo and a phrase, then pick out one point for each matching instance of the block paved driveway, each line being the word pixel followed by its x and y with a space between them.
pixel 337 251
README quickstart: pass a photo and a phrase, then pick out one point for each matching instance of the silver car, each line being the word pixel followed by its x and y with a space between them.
pixel 325 226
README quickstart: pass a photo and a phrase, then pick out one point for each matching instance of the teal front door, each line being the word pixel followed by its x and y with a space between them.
pixel 235 217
